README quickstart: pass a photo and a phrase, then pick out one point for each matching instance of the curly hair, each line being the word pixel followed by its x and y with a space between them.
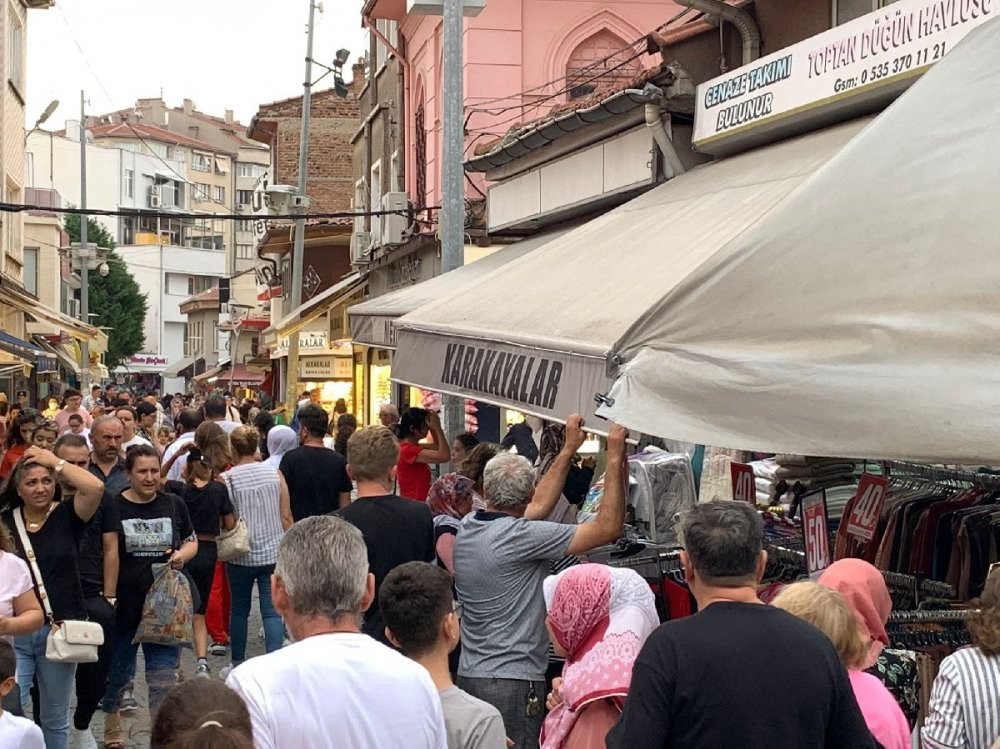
pixel 984 627
pixel 475 463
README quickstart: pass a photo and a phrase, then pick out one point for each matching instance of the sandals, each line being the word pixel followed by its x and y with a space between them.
pixel 114 735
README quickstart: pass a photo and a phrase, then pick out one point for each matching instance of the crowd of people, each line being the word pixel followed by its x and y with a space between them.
pixel 407 605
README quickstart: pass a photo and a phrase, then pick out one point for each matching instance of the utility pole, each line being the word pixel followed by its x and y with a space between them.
pixel 298 248
pixel 85 252
pixel 453 194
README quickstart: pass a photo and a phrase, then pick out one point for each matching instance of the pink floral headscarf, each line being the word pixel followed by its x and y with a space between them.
pixel 868 596
pixel 449 494
pixel 601 616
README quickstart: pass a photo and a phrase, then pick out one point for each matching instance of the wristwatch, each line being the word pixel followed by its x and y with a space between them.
pixel 112 600
pixel 59 466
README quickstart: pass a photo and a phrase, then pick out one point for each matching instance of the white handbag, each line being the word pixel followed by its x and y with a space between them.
pixel 236 542
pixel 69 641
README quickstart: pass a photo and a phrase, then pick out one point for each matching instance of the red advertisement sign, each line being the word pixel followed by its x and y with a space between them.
pixel 817 537
pixel 744 488
pixel 867 507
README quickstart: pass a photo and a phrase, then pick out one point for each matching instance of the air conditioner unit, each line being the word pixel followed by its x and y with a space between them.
pixel 360 243
pixel 393 226
pixel 154 197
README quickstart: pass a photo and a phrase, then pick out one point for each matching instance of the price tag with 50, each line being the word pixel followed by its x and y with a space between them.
pixel 817 538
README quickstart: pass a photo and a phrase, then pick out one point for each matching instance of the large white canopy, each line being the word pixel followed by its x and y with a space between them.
pixel 860 316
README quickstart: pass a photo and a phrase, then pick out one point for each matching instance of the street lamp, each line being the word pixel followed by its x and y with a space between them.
pixel 42 118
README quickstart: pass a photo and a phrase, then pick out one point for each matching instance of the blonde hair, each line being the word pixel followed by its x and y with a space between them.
pixel 828 611
pixel 372 451
pixel 245 440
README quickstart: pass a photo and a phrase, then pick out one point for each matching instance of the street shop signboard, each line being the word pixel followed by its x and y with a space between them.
pixel 744 484
pixel 851 69
pixel 867 507
pixel 326 367
pixel 814 529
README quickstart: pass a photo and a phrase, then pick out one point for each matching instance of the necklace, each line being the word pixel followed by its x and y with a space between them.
pixel 36 526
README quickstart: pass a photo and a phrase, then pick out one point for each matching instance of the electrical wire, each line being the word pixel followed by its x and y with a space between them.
pixel 145 213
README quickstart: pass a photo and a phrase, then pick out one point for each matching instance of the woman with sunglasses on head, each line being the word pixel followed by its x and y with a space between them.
pixel 53 529
pixel 45 434
pixel 208 504
pixel 156 529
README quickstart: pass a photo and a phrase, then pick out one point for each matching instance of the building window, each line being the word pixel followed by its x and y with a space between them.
pixel 245 226
pixel 244 251
pixel 375 188
pixel 220 194
pixel 129 183
pixel 848 10
pixel 198 284
pixel 160 149
pixel 395 172
pixel 601 61
pixel 388 29
pixel 420 157
pixel 360 205
pixel 244 197
pixel 200 192
pixel 187 339
pixel 201 162
pixel 15 51
pixel 249 170
pixel 30 270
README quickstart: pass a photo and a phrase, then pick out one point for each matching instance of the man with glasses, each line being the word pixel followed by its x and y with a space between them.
pixel 98 564
pixel 73 405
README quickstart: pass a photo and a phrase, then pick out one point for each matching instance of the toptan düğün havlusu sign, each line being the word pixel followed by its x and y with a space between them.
pixel 850 70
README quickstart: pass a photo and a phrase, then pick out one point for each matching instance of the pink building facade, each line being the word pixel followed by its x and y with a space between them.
pixel 522 59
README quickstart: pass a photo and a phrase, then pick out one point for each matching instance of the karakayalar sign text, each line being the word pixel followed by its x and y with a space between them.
pixel 880 48
pixel 517 377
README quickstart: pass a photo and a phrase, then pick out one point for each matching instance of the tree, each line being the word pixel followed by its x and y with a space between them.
pixel 115 299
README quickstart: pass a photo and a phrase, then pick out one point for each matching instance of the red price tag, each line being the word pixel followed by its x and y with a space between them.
pixel 814 528
pixel 744 487
pixel 867 507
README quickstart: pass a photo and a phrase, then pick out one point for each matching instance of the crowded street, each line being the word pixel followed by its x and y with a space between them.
pixel 527 375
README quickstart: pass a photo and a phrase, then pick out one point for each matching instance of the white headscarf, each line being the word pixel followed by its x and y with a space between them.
pixel 280 440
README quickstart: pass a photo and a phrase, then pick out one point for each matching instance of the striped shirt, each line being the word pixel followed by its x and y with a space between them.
pixel 964 709
pixel 255 492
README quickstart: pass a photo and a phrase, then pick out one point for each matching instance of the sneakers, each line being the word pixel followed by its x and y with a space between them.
pixel 129 704
pixel 217 648
pixel 81 739
pixel 225 671
pixel 203 671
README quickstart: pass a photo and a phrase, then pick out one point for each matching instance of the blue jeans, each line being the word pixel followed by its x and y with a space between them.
pixel 162 664
pixel 241 580
pixel 55 686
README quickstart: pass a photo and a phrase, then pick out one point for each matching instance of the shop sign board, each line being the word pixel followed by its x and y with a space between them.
pixel 326 368
pixel 814 528
pixel 744 485
pixel 851 69
pixel 867 507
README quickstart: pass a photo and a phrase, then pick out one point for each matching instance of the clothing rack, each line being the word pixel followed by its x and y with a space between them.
pixel 932 615
pixel 933 588
pixel 941 474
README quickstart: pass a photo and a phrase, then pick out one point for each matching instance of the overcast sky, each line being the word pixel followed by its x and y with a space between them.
pixel 222 54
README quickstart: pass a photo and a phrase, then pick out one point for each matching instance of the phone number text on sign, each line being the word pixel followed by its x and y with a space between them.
pixel 817 538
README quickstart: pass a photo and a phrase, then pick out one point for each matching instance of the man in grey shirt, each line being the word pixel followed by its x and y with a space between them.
pixel 501 557
pixel 421 619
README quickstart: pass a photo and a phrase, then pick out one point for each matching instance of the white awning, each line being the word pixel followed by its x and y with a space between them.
pixel 533 334
pixel 310 310
pixel 860 317
pixel 373 322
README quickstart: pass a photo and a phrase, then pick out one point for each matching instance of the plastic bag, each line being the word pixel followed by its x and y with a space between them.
pixel 167 613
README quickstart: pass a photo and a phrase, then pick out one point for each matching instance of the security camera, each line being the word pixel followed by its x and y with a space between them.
pixel 279 199
pixel 103 269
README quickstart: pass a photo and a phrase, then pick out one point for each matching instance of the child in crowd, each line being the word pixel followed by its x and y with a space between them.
pixel 164 437
pixel 16 733
pixel 421 619
pixel 202 714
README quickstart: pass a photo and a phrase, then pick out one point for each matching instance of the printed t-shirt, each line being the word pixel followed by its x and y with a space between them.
pixel 396 531
pixel 91 548
pixel 205 505
pixel 384 699
pixel 316 477
pixel 149 531
pixel 55 546
pixel 500 563
pixel 414 478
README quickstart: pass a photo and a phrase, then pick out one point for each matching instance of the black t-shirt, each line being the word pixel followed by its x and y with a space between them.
pixel 205 505
pixel 149 531
pixel 396 531
pixel 315 476
pixel 739 674
pixel 55 547
pixel 91 547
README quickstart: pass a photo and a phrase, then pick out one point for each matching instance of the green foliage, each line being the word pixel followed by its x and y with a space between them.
pixel 115 299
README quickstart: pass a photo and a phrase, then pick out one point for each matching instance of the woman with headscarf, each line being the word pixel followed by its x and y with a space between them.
pixel 598 617
pixel 450 499
pixel 868 596
pixel 280 440
pixel 577 480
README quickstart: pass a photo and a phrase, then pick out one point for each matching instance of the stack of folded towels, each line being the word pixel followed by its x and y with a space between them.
pixel 778 478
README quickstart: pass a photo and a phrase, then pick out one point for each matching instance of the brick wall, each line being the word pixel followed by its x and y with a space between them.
pixel 330 171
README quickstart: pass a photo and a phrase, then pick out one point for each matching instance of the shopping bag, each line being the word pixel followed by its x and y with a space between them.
pixel 167 613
